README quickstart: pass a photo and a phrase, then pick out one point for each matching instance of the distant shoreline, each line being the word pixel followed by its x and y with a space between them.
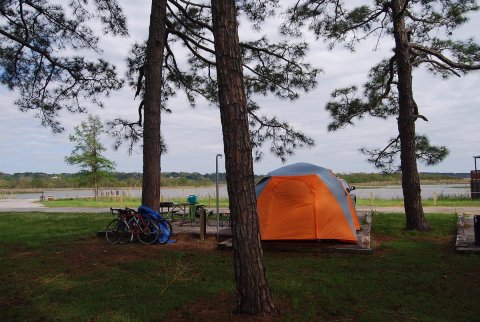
pixel 40 190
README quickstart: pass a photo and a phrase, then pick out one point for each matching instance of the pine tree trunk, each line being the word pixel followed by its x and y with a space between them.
pixel 253 292
pixel 153 86
pixel 415 218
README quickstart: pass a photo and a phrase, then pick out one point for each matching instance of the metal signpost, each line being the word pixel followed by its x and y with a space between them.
pixel 216 195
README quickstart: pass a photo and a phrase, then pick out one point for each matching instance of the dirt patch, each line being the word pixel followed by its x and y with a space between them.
pixel 192 241
pixel 96 251
pixel 78 257
pixel 220 308
pixel 379 239
pixel 216 309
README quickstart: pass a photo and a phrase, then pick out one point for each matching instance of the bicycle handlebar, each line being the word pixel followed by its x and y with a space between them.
pixel 122 210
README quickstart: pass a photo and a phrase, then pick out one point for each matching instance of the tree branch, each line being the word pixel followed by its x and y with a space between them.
pixel 42 52
pixel 439 64
pixel 87 42
pixel 391 70
pixel 185 13
pixel 187 28
pixel 425 21
pixel 186 39
pixel 263 77
pixel 203 6
pixel 443 58
pixel 383 152
pixel 253 48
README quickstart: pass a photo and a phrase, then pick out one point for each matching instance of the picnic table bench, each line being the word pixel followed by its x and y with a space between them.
pixel 188 212
pixel 179 209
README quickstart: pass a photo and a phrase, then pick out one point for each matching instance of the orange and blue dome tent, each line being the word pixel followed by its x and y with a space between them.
pixel 303 201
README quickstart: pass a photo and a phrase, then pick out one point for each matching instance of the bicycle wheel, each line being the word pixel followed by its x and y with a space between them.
pixel 148 231
pixel 115 231
pixel 127 235
pixel 165 231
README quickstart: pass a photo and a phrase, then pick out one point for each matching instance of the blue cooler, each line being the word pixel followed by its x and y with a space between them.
pixel 192 199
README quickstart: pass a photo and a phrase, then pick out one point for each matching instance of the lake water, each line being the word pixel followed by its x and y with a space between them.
pixel 166 193
pixel 387 192
pixel 428 191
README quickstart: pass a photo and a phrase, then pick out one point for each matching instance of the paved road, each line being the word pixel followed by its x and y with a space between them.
pixel 31 205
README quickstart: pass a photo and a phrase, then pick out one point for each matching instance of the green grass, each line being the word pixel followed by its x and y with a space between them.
pixel 115 202
pixel 49 272
pixel 380 202
pixel 101 202
pixel 452 202
pixel 121 201
pixel 38 228
pixel 412 276
pixel 438 202
pixel 53 268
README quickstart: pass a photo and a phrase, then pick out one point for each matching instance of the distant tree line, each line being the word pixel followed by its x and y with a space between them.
pixel 396 178
pixel 34 180
pixel 37 180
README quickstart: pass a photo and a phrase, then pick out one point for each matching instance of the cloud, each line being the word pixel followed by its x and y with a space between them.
pixel 194 136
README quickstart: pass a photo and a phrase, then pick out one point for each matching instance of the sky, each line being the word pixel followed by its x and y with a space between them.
pixel 194 136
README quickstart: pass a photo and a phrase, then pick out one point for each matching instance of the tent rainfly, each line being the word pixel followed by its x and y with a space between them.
pixel 303 201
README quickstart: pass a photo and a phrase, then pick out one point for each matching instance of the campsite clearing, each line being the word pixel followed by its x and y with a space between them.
pixel 52 267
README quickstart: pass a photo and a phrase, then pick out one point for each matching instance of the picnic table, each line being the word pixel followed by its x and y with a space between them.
pixel 179 209
pixel 188 213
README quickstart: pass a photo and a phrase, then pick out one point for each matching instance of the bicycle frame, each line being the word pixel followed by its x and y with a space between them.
pixel 134 224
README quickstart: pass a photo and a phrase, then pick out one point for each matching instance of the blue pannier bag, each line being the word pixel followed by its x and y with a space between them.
pixel 154 215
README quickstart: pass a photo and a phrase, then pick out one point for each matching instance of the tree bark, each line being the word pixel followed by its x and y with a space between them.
pixel 253 292
pixel 152 118
pixel 415 218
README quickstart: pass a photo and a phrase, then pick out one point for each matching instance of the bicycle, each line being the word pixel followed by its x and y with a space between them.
pixel 130 224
